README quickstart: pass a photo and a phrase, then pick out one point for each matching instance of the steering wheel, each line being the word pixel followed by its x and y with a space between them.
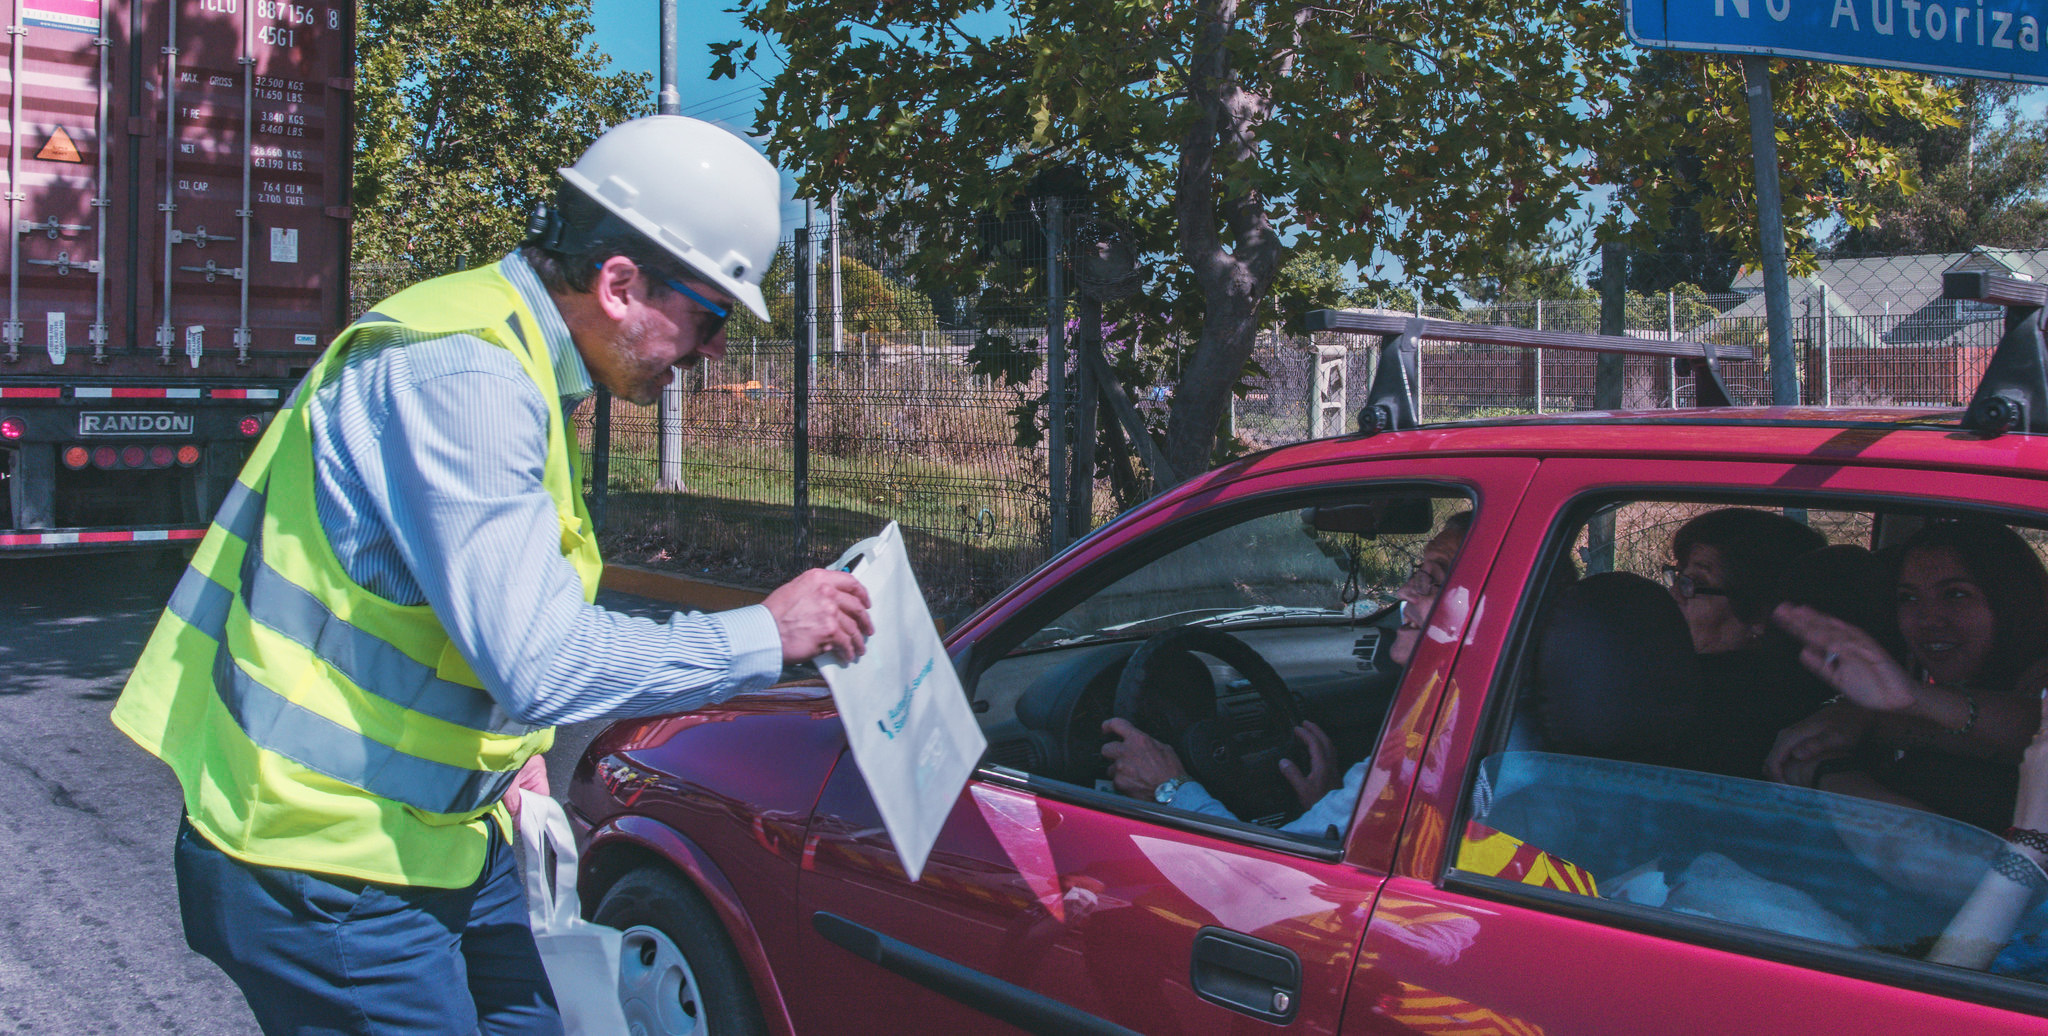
pixel 1169 693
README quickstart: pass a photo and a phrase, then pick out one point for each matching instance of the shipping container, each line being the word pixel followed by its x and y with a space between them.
pixel 177 210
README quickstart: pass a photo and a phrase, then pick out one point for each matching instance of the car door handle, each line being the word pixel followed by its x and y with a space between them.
pixel 1249 976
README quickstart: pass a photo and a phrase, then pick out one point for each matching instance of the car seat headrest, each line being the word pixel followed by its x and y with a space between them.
pixel 1616 674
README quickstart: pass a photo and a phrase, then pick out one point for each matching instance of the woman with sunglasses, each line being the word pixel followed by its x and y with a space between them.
pixel 1726 577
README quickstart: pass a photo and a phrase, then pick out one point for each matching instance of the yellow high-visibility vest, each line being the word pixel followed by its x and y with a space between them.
pixel 312 724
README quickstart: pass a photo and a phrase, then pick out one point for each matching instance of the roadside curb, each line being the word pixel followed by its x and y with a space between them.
pixel 677 589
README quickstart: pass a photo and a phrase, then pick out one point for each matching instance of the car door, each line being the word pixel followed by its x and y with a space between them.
pixel 1478 930
pixel 1058 906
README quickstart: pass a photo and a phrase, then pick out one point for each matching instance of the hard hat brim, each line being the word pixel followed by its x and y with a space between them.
pixel 700 264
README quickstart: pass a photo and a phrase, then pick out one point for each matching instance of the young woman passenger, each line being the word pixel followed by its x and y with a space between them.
pixel 1727 573
pixel 1994 929
pixel 1943 731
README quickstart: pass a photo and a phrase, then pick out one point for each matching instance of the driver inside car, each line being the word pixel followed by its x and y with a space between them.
pixel 1143 767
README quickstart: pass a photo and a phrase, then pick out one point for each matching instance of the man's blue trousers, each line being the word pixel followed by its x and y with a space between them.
pixel 325 956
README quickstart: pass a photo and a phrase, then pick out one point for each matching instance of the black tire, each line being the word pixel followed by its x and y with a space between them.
pixel 710 995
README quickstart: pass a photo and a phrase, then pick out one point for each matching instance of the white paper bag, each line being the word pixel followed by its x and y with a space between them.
pixel 907 720
pixel 582 959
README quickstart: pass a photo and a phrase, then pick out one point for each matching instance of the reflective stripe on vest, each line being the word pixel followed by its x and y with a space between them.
pixel 314 741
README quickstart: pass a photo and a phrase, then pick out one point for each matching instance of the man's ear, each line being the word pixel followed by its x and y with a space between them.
pixel 613 286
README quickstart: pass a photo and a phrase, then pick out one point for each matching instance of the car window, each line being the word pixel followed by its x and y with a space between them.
pixel 1217 640
pixel 1641 760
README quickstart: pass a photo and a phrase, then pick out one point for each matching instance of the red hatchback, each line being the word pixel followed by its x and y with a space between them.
pixel 1530 699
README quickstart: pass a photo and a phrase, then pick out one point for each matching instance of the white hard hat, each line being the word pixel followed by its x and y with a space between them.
pixel 696 190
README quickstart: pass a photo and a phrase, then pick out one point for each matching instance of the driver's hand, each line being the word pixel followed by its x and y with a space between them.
pixel 1138 762
pixel 1320 779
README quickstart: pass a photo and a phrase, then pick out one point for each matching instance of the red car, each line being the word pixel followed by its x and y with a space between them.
pixel 1483 869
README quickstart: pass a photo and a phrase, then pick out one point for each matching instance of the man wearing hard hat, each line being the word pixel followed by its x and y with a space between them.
pixel 392 609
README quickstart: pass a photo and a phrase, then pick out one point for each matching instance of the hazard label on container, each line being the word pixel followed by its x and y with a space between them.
pixel 69 15
pixel 59 148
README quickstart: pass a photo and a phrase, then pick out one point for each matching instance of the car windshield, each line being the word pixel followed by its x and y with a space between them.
pixel 1279 569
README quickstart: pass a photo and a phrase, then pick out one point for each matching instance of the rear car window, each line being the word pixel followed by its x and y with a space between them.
pixel 1639 763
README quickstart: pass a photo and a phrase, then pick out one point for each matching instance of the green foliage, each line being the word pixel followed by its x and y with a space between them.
pixel 1983 178
pixel 1417 136
pixel 465 109
pixel 1680 151
pixel 872 302
pixel 1546 269
pixel 1428 134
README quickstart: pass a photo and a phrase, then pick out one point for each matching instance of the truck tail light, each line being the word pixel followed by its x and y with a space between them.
pixel 252 426
pixel 105 458
pixel 188 455
pixel 76 457
pixel 161 456
pixel 133 456
pixel 13 428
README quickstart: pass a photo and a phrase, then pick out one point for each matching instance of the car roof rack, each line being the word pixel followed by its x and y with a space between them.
pixel 2013 393
pixel 1392 401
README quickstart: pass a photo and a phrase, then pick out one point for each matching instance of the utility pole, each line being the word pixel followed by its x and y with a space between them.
pixel 1770 220
pixel 669 416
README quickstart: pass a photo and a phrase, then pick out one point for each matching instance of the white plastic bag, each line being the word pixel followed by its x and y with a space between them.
pixel 582 958
pixel 907 719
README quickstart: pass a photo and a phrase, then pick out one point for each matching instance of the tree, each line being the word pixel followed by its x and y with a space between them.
pixel 1547 269
pixel 465 110
pixel 1983 179
pixel 1681 154
pixel 1406 134
pixel 872 301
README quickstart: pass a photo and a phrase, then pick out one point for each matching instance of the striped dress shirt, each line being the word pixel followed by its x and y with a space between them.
pixel 428 462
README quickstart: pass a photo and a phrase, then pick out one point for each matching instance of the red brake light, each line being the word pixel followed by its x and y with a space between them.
pixel 161 456
pixel 76 457
pixel 105 457
pixel 188 455
pixel 133 456
pixel 252 426
pixel 13 428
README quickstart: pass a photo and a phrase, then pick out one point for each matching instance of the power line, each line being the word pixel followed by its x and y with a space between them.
pixel 719 101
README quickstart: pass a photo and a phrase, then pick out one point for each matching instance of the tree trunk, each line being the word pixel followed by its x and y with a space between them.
pixel 1234 276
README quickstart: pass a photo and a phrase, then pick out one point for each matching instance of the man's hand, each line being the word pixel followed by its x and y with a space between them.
pixel 1317 782
pixel 533 777
pixel 821 611
pixel 1138 763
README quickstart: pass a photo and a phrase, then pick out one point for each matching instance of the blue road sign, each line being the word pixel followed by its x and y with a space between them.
pixel 1990 39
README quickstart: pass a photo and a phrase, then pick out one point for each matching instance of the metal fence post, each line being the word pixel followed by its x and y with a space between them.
pixel 600 457
pixel 801 349
pixel 1055 373
pixel 1536 357
pixel 1671 335
pixel 1827 358
pixel 1607 386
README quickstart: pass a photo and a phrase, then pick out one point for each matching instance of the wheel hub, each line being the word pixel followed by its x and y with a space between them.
pixel 657 989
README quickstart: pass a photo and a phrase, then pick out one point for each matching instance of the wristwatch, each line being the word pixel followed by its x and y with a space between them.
pixel 1164 793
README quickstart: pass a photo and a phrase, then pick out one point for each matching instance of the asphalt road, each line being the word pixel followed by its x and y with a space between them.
pixel 89 935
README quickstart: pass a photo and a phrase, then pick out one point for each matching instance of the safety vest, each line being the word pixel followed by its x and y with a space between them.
pixel 313 724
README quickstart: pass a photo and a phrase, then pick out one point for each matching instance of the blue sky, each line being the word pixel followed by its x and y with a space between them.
pixel 629 32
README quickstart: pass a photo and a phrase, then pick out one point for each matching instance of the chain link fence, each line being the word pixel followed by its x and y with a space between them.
pixel 916 400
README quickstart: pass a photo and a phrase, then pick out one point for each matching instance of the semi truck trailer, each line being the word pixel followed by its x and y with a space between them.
pixel 176 215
